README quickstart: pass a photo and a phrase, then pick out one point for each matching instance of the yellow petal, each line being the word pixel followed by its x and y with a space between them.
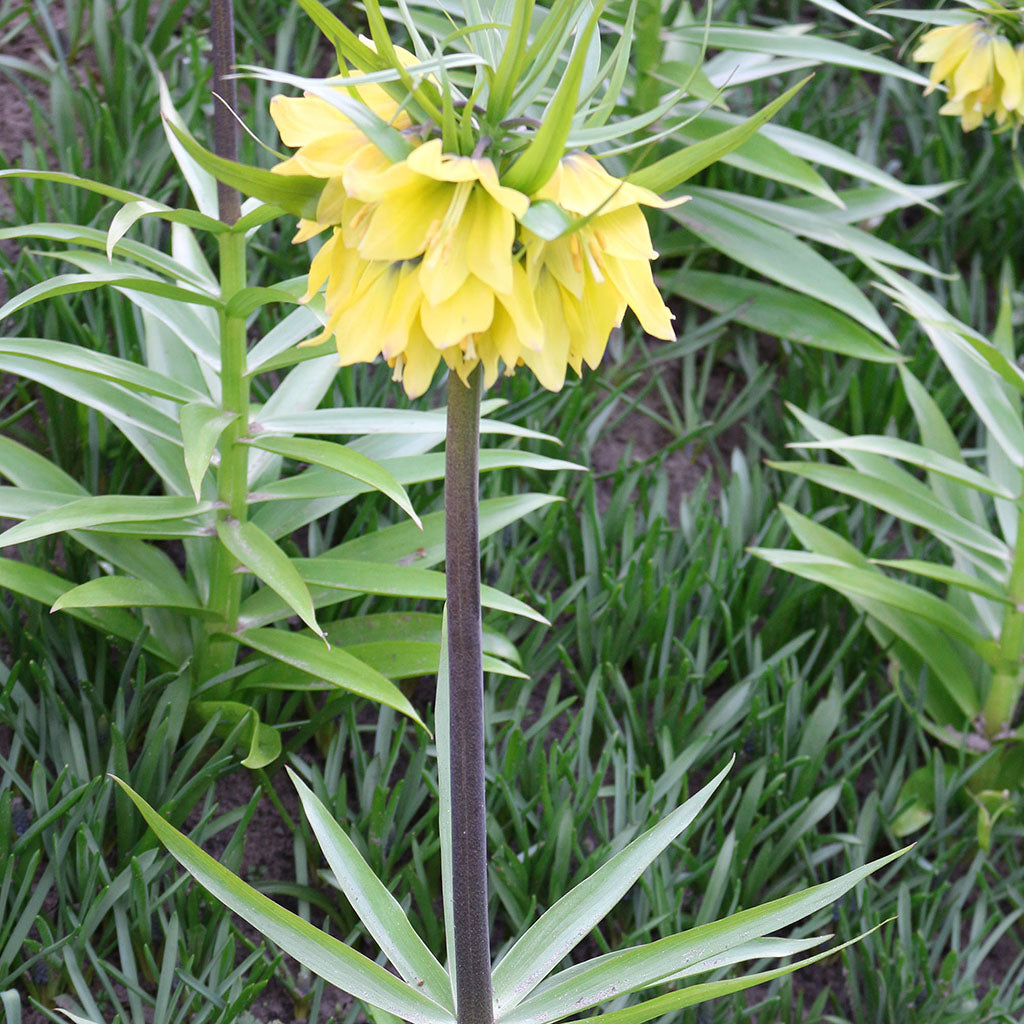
pixel 430 160
pixel 351 277
pixel 489 231
pixel 400 225
pixel 469 311
pixel 623 233
pixel 549 363
pixel 371 176
pixel 975 69
pixel 326 157
pixel 1011 71
pixel 421 359
pixel 460 362
pixel 301 120
pixel 564 258
pixel 504 337
pixel 320 268
pixel 935 43
pixel 357 331
pixel 489 356
pixel 402 312
pixel 635 284
pixel 959 44
pixel 308 229
pixel 446 262
pixel 520 305
pixel 331 204
pixel 600 310
pixel 582 186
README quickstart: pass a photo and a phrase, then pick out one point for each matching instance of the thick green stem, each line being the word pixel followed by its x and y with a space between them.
pixel 466 727
pixel 1004 692
pixel 232 475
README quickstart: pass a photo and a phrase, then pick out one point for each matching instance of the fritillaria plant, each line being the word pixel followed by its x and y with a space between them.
pixel 465 223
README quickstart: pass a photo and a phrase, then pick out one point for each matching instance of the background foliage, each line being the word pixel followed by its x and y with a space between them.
pixel 670 645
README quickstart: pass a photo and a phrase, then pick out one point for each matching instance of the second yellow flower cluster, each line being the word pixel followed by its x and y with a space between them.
pixel 982 69
pixel 428 258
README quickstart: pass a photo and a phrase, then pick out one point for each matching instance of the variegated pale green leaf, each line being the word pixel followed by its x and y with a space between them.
pixel 377 908
pixel 321 953
pixel 631 970
pixel 561 928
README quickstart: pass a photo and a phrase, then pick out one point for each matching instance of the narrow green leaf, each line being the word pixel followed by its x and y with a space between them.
pixel 547 220
pixel 915 455
pixel 966 357
pixel 332 580
pixel 379 911
pixel 75 1018
pixel 841 11
pixel 332 665
pixel 404 544
pixel 541 156
pixel 262 557
pixel 99 364
pixel 919 508
pixel 63 178
pixel 47 588
pixel 811 224
pixel 800 47
pixel 399 581
pixel 563 926
pixel 324 955
pixel 511 64
pixel 693 995
pixel 759 155
pixel 873 584
pixel 410 659
pixel 293 193
pixel 67 284
pixel 379 421
pixel 350 47
pixel 945 574
pixel 775 253
pixel 201 183
pixel 93 513
pixel 248 300
pixel 341 460
pixel 123 592
pixel 280 341
pixel 201 427
pixel 264 741
pixel 93 238
pixel 133 212
pixel 672 170
pixel 782 313
pixel 828 154
pixel 916 643
pixel 637 968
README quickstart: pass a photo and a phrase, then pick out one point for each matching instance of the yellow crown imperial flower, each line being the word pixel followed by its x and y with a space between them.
pixel 427 259
pixel 981 68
